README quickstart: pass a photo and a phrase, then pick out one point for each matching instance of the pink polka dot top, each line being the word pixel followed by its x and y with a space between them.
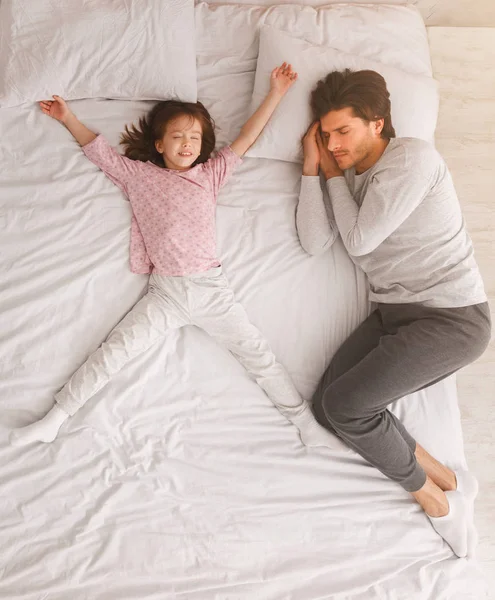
pixel 173 222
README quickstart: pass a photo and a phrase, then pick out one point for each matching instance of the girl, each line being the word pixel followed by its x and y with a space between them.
pixel 172 184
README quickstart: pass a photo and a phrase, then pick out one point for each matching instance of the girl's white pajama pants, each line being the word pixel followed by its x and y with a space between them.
pixel 204 300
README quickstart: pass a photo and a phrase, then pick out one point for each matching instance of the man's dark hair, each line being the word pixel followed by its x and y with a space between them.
pixel 363 91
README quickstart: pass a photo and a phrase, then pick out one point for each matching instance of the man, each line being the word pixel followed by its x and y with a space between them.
pixel 394 205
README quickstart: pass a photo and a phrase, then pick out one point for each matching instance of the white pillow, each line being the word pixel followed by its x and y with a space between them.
pixel 392 34
pixel 130 49
pixel 414 98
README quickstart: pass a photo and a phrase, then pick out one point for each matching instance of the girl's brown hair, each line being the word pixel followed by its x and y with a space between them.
pixel 363 91
pixel 139 142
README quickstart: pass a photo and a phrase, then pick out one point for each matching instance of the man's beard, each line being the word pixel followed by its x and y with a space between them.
pixel 362 152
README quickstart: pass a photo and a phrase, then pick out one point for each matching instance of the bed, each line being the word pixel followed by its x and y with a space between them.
pixel 180 479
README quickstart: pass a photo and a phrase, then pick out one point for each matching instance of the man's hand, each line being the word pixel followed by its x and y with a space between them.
pixel 328 164
pixel 311 151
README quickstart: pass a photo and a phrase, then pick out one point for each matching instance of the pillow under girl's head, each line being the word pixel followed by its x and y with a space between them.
pixel 176 135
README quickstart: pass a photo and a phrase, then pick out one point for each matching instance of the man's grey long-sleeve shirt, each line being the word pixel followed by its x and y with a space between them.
pixel 401 222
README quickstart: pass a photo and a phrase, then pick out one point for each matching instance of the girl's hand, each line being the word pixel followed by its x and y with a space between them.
pixel 311 149
pixel 282 78
pixel 280 81
pixel 57 108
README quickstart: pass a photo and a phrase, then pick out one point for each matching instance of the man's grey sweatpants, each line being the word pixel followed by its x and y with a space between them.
pixel 397 350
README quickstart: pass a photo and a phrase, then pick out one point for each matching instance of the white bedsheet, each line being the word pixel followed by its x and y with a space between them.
pixel 180 479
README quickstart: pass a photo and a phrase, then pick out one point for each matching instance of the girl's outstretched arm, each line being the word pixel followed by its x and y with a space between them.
pixel 281 80
pixel 58 109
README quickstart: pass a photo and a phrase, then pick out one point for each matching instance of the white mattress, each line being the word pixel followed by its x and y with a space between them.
pixel 180 479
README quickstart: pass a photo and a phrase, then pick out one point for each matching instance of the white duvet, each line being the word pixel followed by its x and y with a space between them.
pixel 180 479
